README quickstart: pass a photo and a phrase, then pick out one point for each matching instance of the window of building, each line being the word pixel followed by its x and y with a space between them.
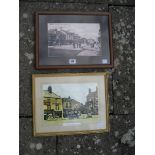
pixel 67 105
pixel 56 106
pixel 48 107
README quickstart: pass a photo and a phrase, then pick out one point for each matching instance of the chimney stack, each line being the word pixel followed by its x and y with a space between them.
pixel 96 89
pixel 49 89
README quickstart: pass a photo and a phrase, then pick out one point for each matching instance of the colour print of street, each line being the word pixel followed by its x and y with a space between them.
pixel 74 39
pixel 64 102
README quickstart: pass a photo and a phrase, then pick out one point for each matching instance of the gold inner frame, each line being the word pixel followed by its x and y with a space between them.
pixel 106 75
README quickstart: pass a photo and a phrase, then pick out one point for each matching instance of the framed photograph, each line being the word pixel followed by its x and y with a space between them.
pixel 65 104
pixel 73 40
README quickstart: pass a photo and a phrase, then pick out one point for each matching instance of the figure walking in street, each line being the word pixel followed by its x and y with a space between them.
pixel 73 44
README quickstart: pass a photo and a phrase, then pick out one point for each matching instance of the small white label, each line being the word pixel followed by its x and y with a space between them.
pixel 72 61
pixel 104 61
pixel 71 124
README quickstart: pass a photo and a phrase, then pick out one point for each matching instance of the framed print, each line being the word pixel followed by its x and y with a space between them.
pixel 73 40
pixel 65 104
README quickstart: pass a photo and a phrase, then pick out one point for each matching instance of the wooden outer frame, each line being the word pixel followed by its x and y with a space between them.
pixel 106 75
pixel 73 66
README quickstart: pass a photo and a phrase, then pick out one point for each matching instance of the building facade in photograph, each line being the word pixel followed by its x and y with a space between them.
pixel 92 102
pixel 63 37
pixel 70 107
pixel 52 104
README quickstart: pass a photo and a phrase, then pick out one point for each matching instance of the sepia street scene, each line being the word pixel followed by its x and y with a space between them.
pixel 70 103
pixel 74 39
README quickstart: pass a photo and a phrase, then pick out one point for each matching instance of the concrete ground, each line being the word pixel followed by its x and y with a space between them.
pixel 120 139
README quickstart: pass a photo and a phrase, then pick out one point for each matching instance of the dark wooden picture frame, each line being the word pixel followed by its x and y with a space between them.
pixel 87 46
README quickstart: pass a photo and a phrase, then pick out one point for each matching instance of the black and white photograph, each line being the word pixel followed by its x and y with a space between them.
pixel 74 39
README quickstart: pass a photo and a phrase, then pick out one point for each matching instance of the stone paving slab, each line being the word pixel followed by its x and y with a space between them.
pixel 124 59
pixel 30 145
pixel 120 140
pixel 77 7
pixel 27 49
pixel 113 2
pixel 26 52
